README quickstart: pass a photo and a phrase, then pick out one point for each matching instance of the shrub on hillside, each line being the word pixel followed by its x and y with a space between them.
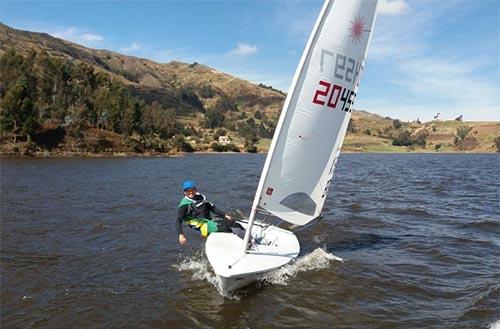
pixel 216 147
pixel 469 143
pixel 134 145
pixel 207 92
pixel 225 104
pixel 233 148
pixel 402 139
pixel 387 131
pixel 351 128
pixel 264 131
pixel 248 131
pixel 213 119
pixel 98 143
pixel 271 88
pixel 218 133
pixel 251 149
pixel 497 143
pixel 189 96
pixel 181 144
pixel 462 131
pixel 419 137
pixel 49 136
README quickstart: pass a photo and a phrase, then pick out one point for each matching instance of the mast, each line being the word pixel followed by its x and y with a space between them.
pixel 279 126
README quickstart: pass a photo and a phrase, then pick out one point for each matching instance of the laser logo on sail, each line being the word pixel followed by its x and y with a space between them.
pixel 357 28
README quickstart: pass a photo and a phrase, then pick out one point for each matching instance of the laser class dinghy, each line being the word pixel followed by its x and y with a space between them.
pixel 299 167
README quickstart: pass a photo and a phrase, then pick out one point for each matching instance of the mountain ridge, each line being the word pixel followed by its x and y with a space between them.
pixel 141 74
pixel 207 102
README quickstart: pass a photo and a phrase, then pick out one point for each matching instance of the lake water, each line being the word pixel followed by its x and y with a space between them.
pixel 90 243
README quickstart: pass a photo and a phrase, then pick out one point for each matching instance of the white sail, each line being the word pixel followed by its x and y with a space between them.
pixel 301 160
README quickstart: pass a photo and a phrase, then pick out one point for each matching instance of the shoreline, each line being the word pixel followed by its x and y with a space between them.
pixel 117 155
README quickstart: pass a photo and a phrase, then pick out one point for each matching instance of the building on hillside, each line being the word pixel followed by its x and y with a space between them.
pixel 224 140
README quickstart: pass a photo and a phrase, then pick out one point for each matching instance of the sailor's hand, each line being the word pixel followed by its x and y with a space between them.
pixel 228 217
pixel 182 239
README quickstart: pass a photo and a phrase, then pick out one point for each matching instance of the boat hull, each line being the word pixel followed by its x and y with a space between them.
pixel 235 270
pixel 227 285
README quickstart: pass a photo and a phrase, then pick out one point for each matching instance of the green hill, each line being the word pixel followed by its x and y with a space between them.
pixel 60 98
pixel 373 133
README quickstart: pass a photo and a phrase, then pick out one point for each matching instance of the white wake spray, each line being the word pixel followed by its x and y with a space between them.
pixel 199 267
pixel 316 260
pixel 495 325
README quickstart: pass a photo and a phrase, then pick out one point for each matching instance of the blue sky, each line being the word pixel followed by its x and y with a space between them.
pixel 426 56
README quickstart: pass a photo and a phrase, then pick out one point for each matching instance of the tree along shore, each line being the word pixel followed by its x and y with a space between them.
pixel 56 107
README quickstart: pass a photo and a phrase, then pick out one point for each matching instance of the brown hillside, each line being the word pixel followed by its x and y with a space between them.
pixel 375 133
pixel 149 80
pixel 172 85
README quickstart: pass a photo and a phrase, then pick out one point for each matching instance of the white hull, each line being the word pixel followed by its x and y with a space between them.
pixel 227 285
pixel 235 270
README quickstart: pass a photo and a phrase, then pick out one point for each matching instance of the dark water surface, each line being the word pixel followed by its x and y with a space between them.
pixel 90 243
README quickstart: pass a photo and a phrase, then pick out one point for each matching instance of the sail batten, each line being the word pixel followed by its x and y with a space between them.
pixel 302 157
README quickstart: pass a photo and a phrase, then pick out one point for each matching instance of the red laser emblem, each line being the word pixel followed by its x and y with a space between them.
pixel 357 28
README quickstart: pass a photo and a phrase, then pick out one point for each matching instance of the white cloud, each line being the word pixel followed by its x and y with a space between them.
pixel 393 7
pixel 244 49
pixel 226 59
pixel 88 37
pixel 133 47
pixel 75 35
pixel 425 78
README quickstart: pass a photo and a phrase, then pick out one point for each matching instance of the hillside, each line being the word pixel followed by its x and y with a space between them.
pixel 150 80
pixel 374 133
pixel 60 98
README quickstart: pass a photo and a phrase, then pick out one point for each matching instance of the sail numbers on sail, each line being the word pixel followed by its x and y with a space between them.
pixel 331 96
pixel 345 68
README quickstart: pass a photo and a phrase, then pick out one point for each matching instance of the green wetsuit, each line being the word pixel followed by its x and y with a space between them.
pixel 196 212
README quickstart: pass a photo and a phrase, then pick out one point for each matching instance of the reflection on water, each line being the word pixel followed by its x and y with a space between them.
pixel 91 243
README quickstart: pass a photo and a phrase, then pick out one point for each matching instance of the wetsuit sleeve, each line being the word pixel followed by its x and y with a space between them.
pixel 216 210
pixel 181 215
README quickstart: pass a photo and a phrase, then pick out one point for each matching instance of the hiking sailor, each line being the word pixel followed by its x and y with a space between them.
pixel 196 211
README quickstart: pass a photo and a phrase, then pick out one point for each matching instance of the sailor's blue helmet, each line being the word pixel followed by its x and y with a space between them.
pixel 188 184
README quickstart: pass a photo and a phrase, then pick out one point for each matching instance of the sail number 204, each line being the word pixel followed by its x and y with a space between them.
pixel 334 96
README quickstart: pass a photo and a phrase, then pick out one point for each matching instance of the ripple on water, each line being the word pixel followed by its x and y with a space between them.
pixel 89 241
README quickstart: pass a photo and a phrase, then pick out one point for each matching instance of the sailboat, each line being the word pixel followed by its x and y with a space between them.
pixel 299 167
